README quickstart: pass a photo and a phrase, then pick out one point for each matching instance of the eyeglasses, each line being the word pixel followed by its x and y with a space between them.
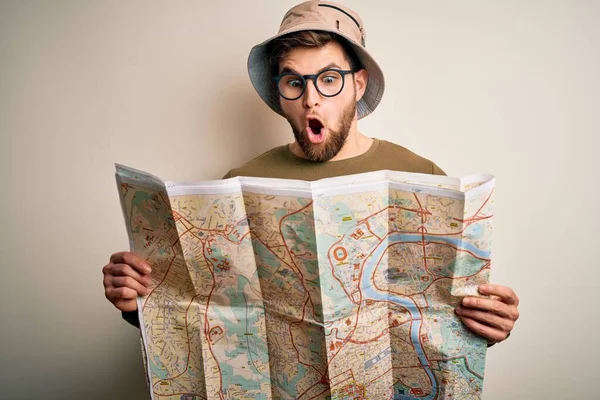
pixel 329 83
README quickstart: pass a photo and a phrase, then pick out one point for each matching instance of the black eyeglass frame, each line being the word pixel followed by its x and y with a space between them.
pixel 314 78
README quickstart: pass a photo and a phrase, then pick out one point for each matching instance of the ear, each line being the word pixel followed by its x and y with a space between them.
pixel 361 78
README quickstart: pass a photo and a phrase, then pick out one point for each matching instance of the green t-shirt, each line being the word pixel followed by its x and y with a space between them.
pixel 280 162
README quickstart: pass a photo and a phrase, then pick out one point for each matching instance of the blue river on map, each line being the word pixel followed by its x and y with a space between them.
pixel 369 290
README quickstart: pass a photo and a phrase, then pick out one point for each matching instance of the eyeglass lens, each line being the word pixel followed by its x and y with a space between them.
pixel 328 83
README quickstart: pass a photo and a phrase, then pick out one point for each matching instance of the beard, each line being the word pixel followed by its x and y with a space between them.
pixel 332 145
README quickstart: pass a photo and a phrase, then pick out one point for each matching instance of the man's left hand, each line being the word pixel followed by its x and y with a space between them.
pixel 493 317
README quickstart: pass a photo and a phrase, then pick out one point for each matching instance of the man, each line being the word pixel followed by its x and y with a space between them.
pixel 317 74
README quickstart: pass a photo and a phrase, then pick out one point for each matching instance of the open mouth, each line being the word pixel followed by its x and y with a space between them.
pixel 315 130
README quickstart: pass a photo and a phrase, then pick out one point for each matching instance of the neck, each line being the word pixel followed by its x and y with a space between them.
pixel 356 144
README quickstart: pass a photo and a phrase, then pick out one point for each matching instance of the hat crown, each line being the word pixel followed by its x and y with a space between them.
pixel 332 16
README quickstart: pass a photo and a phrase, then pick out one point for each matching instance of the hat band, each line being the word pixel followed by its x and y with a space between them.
pixel 362 36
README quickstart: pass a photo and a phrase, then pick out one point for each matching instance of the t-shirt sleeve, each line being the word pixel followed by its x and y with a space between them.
pixel 435 170
pixel 131 317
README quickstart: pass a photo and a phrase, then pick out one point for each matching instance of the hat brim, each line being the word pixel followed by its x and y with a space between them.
pixel 260 74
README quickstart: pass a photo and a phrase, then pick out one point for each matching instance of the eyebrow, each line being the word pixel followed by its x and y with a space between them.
pixel 328 66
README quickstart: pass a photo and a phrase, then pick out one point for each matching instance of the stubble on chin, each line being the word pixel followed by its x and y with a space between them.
pixel 332 145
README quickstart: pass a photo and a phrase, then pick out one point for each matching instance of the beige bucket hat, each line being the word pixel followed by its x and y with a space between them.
pixel 318 16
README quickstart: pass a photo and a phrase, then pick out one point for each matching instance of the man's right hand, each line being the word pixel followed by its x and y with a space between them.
pixel 126 277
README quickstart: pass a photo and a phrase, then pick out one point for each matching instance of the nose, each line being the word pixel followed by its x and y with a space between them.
pixel 311 97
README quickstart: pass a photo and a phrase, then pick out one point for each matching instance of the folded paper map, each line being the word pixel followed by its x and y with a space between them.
pixel 342 288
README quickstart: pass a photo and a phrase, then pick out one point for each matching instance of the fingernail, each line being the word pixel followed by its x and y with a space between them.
pixel 466 301
pixel 485 288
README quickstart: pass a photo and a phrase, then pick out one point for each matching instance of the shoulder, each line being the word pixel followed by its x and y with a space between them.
pixel 258 164
pixel 410 161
